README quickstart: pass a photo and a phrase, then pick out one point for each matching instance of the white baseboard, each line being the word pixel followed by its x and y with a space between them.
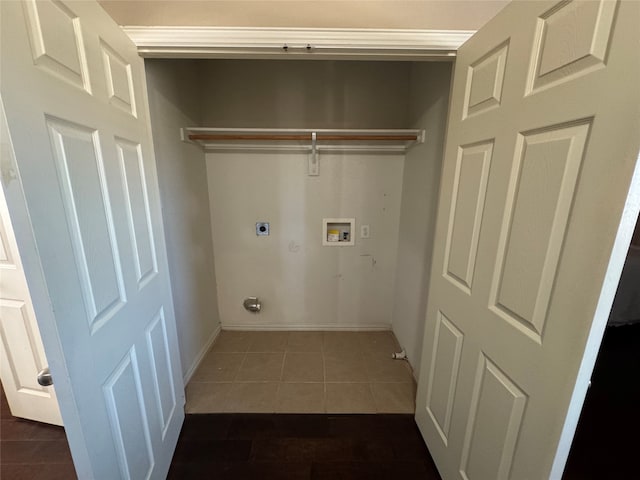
pixel 309 328
pixel 196 363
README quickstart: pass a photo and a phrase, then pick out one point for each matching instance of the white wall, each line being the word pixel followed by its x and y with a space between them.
pixel 174 102
pixel 301 283
pixel 430 84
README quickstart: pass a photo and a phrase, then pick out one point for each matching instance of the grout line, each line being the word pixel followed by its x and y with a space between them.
pixel 373 397
pixel 286 343
pixel 276 407
pixel 324 373
pixel 225 400
pixel 324 377
pixel 235 378
pixel 239 367
pixel 284 359
pixel 276 404
pixel 310 382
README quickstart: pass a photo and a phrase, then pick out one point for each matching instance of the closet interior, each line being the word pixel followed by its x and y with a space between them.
pixel 264 165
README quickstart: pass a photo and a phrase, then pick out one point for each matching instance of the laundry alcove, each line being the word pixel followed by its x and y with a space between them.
pixel 212 196
pixel 538 193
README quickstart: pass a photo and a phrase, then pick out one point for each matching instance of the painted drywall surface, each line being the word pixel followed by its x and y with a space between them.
pixel 301 283
pixel 430 85
pixel 425 14
pixel 174 103
pixel 306 94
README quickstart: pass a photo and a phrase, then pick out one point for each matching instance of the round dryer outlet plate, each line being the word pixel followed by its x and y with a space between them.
pixel 262 229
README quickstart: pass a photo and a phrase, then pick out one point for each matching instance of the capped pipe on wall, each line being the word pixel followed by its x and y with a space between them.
pixel 252 304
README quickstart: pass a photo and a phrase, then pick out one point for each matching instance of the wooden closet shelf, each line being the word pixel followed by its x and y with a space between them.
pixel 303 139
pixel 306 137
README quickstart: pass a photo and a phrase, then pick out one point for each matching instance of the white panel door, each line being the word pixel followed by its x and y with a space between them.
pixel 91 236
pixel 536 210
pixel 21 351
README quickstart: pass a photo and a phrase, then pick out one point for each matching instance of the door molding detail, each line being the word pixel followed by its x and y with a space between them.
pixel 307 43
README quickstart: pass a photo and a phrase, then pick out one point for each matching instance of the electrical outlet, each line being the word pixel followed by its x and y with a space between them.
pixel 364 231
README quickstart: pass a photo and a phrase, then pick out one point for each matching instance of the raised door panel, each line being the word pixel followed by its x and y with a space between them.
pixel 159 359
pixel 137 209
pixel 497 407
pixel 6 258
pixel 443 376
pixel 119 80
pixel 20 344
pixel 128 419
pixel 57 44
pixel 467 206
pixel 542 184
pixel 485 78
pixel 81 177
pixel 572 39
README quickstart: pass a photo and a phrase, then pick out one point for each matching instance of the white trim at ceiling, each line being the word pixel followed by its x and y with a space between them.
pixel 319 43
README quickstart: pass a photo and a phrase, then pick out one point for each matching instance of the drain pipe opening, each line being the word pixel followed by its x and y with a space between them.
pixel 400 355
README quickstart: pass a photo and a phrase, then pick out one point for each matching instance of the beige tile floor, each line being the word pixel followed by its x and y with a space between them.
pixel 302 372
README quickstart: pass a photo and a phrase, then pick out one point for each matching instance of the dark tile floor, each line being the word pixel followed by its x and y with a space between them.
pixel 31 450
pixel 306 446
pixel 268 446
pixel 607 441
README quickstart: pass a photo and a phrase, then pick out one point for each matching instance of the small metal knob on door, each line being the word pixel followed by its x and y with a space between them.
pixel 44 378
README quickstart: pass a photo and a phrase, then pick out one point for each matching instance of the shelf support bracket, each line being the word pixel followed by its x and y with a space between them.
pixel 314 169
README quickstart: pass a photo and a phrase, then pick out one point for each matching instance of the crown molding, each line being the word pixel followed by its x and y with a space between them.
pixel 309 43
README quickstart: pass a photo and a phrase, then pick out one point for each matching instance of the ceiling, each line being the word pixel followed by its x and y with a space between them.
pixel 395 14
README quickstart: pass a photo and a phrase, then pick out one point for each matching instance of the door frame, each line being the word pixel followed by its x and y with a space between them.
pixel 300 43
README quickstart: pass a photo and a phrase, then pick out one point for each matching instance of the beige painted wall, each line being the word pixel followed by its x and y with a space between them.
pixel 311 93
pixel 185 203
pixel 418 14
pixel 429 94
pixel 303 284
